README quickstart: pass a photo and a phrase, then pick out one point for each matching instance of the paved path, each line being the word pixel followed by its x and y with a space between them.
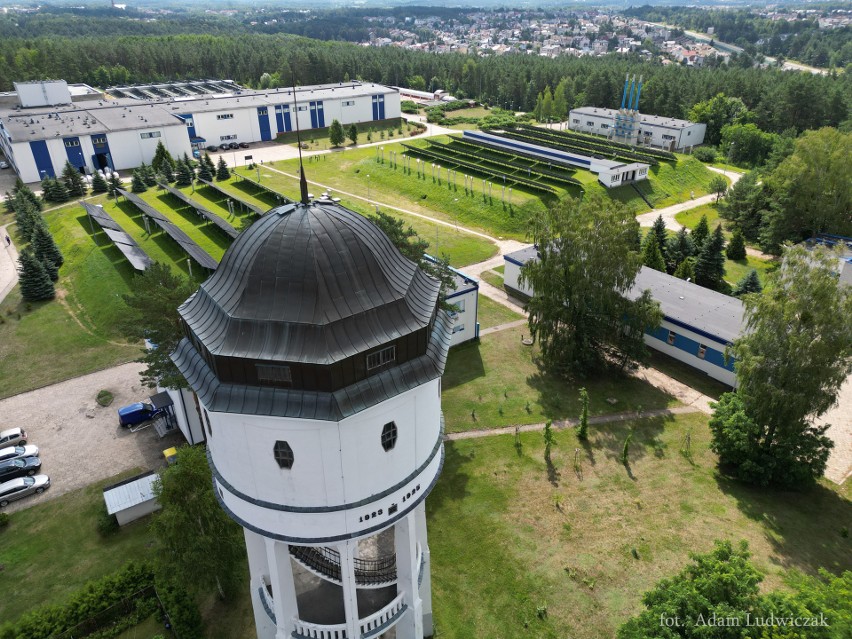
pixel 8 264
pixel 839 467
pixel 669 212
pixel 560 424
pixel 502 327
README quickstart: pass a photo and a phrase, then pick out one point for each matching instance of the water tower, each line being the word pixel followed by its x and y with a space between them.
pixel 316 352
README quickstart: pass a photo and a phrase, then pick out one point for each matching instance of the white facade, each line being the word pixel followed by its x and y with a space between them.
pixel 186 412
pixel 670 134
pixel 333 502
pixel 465 318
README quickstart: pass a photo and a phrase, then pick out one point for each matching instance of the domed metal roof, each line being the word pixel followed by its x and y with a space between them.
pixel 313 283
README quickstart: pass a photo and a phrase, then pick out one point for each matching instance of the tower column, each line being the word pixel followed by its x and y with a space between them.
pixel 283 587
pixel 350 589
pixel 405 540
pixel 425 588
pixel 258 569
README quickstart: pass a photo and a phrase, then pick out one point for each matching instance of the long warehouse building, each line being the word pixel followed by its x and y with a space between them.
pixel 121 129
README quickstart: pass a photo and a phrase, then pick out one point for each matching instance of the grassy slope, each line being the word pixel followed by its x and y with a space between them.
pixel 507 536
pixel 500 373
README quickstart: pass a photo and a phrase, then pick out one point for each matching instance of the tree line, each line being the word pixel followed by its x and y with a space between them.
pixel 779 100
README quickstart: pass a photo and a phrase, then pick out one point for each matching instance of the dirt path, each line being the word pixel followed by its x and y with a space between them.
pixel 502 327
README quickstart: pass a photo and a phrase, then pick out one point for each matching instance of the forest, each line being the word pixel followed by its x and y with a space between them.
pixel 800 40
pixel 779 100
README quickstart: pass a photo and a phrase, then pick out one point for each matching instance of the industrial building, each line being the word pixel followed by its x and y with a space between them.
pixel 698 323
pixel 120 129
pixel 628 126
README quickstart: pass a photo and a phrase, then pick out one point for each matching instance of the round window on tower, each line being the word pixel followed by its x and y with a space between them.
pixel 389 436
pixel 283 454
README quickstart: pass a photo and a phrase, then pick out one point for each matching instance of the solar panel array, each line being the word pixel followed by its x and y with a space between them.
pixel 203 212
pixel 201 257
pixel 251 207
pixel 127 245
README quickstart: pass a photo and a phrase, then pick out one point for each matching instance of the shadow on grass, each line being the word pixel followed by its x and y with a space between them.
pixel 453 485
pixel 188 213
pixel 250 189
pixel 464 365
pixel 609 439
pixel 110 251
pixel 804 528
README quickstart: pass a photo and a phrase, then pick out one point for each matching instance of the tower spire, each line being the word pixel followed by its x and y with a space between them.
pixel 303 182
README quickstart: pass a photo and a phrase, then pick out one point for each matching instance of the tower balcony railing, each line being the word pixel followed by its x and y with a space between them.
pixel 325 562
pixel 368 627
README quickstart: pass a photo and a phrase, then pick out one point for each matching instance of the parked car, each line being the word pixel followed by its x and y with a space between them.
pixel 224 147
pixel 4 165
pixel 196 153
pixel 234 145
pixel 19 467
pixel 138 413
pixel 212 147
pixel 21 487
pixel 13 452
pixel 244 145
pixel 13 437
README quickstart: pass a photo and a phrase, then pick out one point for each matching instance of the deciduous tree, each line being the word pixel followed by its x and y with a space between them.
pixel 587 264
pixel 336 136
pixel 719 186
pixel 198 542
pixel 795 353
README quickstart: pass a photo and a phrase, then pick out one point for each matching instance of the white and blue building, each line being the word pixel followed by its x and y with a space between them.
pixel 698 324
pixel 120 129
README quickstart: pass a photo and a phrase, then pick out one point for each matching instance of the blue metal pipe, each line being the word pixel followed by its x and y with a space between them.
pixel 638 93
pixel 624 92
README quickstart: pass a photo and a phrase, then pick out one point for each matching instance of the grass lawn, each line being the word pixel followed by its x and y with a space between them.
pixel 317 139
pixel 492 278
pixel 462 248
pixel 735 270
pixel 508 535
pixel 501 374
pixel 50 550
pixel 692 217
pixel 493 314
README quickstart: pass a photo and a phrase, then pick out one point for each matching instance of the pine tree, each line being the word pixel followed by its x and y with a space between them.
pixel 137 184
pixel 353 134
pixel 736 249
pixel 73 181
pixel 54 190
pixel 44 246
pixel 167 170
pixel 209 162
pixel 652 257
pixel 33 278
pixel 659 229
pixel 8 206
pixel 26 217
pixel 114 184
pixel 184 174
pixel 678 248
pixel 26 192
pixel 750 283
pixel 161 158
pixel 700 233
pixel 222 172
pixel 148 175
pixel 686 270
pixel 99 183
pixel 336 136
pixel 710 266
pixel 204 171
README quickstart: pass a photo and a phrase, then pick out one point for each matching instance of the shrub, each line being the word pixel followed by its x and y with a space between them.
pixel 104 398
pixel 181 610
pixel 4 520
pixel 107 524
pixel 705 154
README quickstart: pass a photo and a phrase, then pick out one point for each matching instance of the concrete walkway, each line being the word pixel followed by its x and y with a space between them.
pixel 502 327
pixel 561 424
pixel 669 212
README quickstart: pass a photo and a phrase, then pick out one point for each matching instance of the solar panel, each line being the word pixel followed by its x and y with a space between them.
pixel 138 259
pixel 251 207
pixel 201 257
pixel 203 212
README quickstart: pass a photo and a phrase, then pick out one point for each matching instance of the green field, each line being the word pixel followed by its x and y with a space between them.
pixel 493 314
pixel 508 535
pixel 492 278
pixel 692 217
pixel 317 139
pixel 500 380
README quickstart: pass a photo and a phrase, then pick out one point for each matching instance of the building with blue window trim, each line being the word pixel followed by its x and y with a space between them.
pixel 465 298
pixel 698 324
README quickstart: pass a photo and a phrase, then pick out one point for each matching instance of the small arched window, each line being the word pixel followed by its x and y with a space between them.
pixel 389 435
pixel 283 454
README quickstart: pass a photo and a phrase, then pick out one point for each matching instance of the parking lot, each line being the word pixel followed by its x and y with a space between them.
pixel 79 441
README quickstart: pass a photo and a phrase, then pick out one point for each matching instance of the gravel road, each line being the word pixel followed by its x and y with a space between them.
pixel 81 442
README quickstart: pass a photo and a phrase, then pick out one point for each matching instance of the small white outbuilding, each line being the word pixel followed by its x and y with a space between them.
pixel 132 498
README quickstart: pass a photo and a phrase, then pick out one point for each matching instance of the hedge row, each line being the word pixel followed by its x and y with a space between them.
pixel 96 599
